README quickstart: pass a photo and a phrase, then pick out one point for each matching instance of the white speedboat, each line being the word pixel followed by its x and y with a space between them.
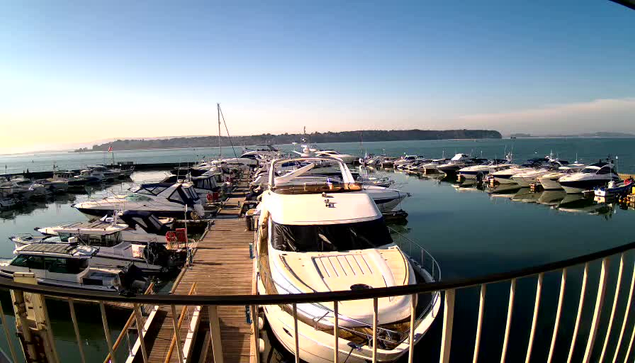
pixel 204 185
pixel 432 166
pixel 132 226
pixel 68 266
pixel 387 199
pixel 163 200
pixel 480 171
pixel 456 163
pixel 404 160
pixel 549 181
pixel 325 236
pixel 595 175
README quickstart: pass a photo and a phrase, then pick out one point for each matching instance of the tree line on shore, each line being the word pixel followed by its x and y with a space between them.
pixel 316 137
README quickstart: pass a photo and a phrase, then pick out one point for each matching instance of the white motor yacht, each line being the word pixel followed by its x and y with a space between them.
pixel 595 175
pixel 112 252
pixel 347 158
pixel 204 185
pixel 549 181
pixel 68 266
pixel 163 200
pixel 317 171
pixel 457 162
pixel 322 236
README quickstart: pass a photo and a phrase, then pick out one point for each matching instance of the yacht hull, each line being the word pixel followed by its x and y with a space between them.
pixel 579 186
pixel 550 184
pixel 316 346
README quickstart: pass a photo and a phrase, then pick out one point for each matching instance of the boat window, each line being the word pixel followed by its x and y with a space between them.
pixel 137 198
pixel 331 237
pixel 176 197
pixel 35 262
pixel 604 170
pixel 154 221
pixel 65 265
pixel 140 222
pixel 589 170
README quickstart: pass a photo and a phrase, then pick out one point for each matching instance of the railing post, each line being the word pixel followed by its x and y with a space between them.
pixel 580 306
pixel 448 320
pixel 597 312
pixel 140 328
pixel 479 322
pixel 71 305
pixel 295 333
pixel 626 313
pixel 535 316
pixel 336 333
pixel 556 324
pixel 411 335
pixel 508 324
pixel 214 330
pixel 256 330
pixel 5 327
pixel 177 333
pixel 104 322
pixel 375 318
pixel 616 296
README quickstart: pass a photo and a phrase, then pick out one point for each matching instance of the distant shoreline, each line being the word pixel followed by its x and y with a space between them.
pixel 316 137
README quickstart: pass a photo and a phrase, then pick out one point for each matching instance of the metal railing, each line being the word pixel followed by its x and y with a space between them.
pixel 603 340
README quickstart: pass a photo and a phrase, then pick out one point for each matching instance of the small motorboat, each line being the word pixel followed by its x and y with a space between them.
pixel 615 188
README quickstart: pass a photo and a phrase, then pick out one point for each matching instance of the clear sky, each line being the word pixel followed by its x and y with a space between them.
pixel 73 72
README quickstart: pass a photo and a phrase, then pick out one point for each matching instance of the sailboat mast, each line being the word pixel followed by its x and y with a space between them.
pixel 220 148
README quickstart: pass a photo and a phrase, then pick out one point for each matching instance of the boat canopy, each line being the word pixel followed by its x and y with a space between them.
pixel 146 220
pixel 311 209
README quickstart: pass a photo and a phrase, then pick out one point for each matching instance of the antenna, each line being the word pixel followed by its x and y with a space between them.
pixel 220 148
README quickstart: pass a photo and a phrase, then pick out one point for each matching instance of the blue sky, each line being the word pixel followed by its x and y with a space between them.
pixel 74 72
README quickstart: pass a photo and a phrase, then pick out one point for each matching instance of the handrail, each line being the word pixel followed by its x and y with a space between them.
pixel 240 300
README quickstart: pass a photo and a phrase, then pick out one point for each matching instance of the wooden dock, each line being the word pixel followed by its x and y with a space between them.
pixel 221 266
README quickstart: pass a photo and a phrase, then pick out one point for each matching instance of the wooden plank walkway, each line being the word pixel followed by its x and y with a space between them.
pixel 221 266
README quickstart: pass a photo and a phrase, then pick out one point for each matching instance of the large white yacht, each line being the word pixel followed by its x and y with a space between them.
pixel 594 175
pixel 163 200
pixel 318 235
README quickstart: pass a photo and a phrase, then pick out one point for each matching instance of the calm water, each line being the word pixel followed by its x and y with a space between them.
pixel 468 231
pixel 587 150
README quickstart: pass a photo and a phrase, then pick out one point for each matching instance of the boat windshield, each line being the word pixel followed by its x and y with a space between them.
pixel 331 237
pixel 137 198
pixel 589 170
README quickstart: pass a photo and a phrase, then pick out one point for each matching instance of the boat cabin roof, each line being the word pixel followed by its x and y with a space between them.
pixel 54 249
pixel 325 208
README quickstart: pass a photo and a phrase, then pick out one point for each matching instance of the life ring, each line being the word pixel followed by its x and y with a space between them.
pixel 210 198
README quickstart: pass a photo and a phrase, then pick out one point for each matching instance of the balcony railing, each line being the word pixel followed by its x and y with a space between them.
pixel 601 340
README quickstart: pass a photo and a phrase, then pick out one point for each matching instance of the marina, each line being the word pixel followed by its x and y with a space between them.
pixel 224 260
